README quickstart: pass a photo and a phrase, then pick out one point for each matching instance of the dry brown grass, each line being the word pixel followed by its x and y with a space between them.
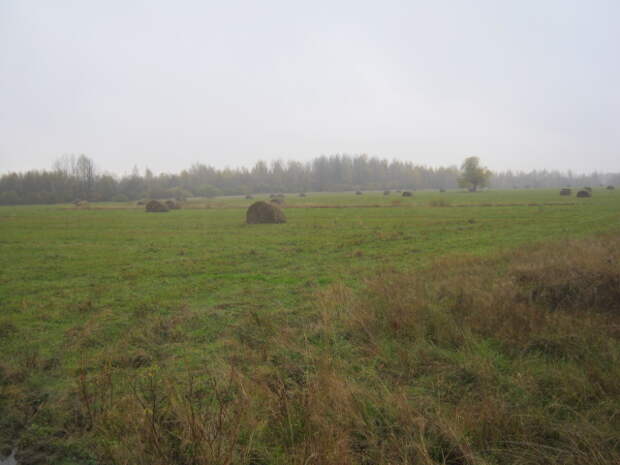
pixel 509 360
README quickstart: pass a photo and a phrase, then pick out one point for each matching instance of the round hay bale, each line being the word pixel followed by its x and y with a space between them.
pixel 584 193
pixel 172 205
pixel 264 213
pixel 565 191
pixel 141 202
pixel 155 206
pixel 358 192
pixel 610 188
pixel 386 192
pixel 407 194
pixel 302 194
pixel 442 190
pixel 249 197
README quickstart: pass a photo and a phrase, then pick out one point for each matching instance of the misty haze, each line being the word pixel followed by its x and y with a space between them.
pixel 320 233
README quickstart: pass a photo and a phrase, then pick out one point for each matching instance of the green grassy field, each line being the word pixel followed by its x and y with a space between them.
pixel 112 289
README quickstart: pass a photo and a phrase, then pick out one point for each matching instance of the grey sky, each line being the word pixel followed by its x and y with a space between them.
pixel 522 84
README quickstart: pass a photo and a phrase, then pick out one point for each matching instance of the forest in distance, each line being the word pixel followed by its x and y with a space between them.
pixel 78 177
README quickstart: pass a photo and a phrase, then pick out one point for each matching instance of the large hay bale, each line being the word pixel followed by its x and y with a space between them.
pixel 264 213
pixel 155 206
pixel 302 194
pixel 386 192
pixel 172 205
pixel 584 194
pixel 358 192
pixel 565 191
pixel 610 188
pixel 407 194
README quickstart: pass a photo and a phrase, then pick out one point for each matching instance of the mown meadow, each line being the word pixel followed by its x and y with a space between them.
pixel 445 328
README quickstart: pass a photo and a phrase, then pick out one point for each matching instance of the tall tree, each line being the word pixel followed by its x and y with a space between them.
pixel 473 176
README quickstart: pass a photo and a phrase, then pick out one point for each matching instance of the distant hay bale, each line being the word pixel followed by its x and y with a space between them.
pixel 141 202
pixel 264 213
pixel 249 197
pixel 584 193
pixel 172 205
pixel 610 188
pixel 387 192
pixel 407 194
pixel 155 206
pixel 302 194
pixel 565 191
pixel 358 192
pixel 442 190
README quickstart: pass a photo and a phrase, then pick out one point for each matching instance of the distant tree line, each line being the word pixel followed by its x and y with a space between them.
pixel 77 178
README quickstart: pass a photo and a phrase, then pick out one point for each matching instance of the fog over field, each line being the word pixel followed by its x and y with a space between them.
pixel 523 85
pixel 309 233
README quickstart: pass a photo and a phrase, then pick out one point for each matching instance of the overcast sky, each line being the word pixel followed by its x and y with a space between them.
pixel 524 84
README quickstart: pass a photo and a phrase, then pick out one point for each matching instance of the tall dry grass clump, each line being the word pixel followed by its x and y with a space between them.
pixel 504 360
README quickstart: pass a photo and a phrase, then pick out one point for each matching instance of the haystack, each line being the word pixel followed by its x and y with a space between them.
pixel 249 197
pixel 264 213
pixel 442 190
pixel 584 194
pixel 610 188
pixel 407 194
pixel 302 194
pixel 565 191
pixel 155 206
pixel 358 193
pixel 172 205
